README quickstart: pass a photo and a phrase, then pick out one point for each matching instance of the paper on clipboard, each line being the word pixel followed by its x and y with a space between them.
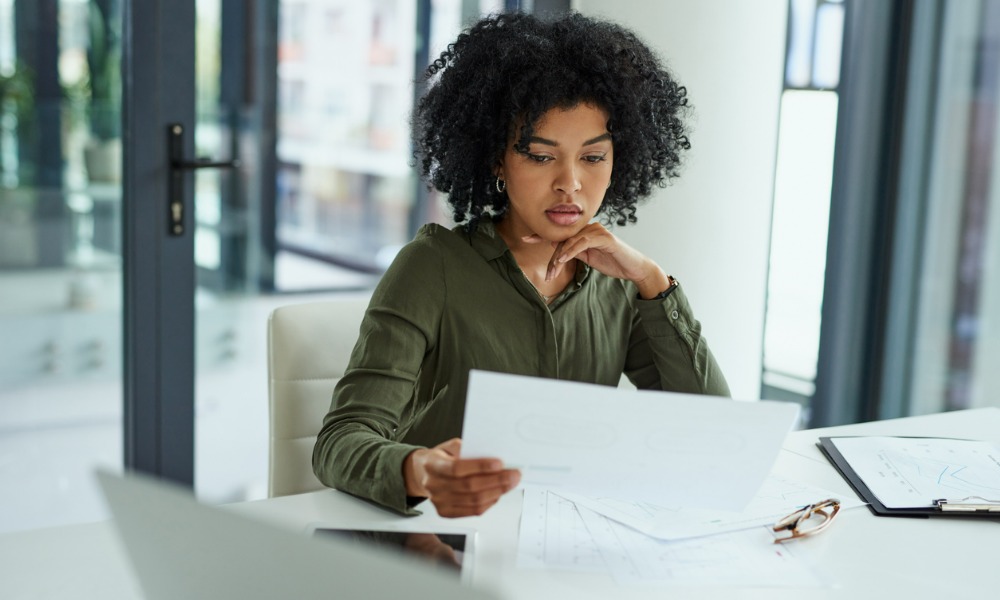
pixel 906 472
pixel 682 450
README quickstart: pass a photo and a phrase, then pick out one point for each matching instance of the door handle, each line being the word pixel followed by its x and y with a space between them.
pixel 178 167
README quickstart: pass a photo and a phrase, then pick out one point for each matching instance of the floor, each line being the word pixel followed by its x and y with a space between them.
pixel 57 428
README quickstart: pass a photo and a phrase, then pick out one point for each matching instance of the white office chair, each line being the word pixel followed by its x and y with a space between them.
pixel 308 346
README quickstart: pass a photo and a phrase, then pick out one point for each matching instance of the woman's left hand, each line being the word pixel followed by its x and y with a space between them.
pixel 603 251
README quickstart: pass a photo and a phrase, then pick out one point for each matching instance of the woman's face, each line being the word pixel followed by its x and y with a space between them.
pixel 557 187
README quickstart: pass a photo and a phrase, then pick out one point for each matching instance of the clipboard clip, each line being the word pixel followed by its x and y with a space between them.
pixel 968 504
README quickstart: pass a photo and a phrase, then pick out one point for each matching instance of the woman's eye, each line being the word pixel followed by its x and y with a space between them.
pixel 539 158
pixel 594 158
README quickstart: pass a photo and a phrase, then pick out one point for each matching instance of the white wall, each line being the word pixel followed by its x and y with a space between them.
pixel 711 227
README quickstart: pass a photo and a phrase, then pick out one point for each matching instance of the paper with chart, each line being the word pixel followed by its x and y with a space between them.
pixel 741 558
pixel 912 472
pixel 675 449
pixel 775 499
pixel 555 533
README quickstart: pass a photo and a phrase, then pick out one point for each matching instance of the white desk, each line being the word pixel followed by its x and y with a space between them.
pixel 868 556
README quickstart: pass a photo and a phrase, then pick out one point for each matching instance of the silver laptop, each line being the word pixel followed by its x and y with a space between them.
pixel 182 549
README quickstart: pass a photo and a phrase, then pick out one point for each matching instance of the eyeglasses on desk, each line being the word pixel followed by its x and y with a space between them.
pixel 808 520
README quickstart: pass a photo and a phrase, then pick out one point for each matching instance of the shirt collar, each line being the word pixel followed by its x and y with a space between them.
pixel 486 240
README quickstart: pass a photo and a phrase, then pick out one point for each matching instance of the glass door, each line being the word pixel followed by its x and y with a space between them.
pixel 95 326
pixel 134 284
pixel 60 257
pixel 313 98
pixel 345 73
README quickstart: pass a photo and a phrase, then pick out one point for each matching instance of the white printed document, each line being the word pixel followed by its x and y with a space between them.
pixel 679 450
pixel 905 472
pixel 775 499
pixel 558 534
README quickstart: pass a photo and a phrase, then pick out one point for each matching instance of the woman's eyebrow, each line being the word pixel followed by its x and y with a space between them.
pixel 600 138
pixel 540 140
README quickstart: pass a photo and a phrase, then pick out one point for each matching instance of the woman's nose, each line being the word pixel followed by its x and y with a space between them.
pixel 568 179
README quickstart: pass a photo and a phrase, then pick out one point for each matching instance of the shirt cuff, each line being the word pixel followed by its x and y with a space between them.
pixel 389 489
pixel 669 317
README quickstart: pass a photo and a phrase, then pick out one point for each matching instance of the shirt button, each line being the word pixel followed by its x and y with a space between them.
pixel 675 315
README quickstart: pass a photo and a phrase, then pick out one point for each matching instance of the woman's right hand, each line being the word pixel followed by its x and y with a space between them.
pixel 458 487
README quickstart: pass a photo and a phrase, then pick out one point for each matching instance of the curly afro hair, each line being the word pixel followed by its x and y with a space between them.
pixel 513 68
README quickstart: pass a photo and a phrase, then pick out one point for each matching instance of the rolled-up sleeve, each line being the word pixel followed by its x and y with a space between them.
pixel 356 450
pixel 668 352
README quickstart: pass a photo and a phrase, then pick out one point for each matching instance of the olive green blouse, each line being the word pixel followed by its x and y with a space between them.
pixel 454 301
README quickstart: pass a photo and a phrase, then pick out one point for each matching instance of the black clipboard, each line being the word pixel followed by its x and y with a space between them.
pixel 829 449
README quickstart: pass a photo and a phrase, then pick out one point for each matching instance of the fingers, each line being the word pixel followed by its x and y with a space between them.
pixel 464 487
pixel 452 447
pixel 453 501
pixel 594 236
pixel 601 250
pixel 468 476
pixel 555 265
pixel 446 465
pixel 591 237
pixel 472 484
pixel 472 490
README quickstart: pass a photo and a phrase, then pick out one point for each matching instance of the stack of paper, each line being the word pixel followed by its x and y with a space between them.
pixel 655 487
pixel 643 543
pixel 682 450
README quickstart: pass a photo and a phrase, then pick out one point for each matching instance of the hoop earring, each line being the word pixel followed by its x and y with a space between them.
pixel 501 188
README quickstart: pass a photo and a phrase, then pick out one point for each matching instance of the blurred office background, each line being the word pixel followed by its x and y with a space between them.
pixel 837 224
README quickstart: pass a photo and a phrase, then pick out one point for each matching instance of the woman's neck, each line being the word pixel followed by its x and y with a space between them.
pixel 533 259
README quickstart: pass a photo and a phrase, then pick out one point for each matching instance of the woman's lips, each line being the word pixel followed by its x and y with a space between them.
pixel 564 216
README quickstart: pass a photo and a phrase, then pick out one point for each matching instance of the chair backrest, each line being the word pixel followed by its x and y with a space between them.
pixel 308 347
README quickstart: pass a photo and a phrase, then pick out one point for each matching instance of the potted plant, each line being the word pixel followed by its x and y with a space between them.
pixel 17 232
pixel 17 98
pixel 103 154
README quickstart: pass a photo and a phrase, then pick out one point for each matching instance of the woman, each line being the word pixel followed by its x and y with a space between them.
pixel 533 128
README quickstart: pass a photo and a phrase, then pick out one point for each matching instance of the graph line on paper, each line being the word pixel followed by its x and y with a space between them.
pixel 553 535
pixel 918 472
pixel 913 472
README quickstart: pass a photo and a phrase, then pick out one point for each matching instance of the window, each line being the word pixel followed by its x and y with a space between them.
pixel 956 330
pixel 802 185
pixel 910 308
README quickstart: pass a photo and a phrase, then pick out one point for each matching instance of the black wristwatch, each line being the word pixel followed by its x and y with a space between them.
pixel 670 289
